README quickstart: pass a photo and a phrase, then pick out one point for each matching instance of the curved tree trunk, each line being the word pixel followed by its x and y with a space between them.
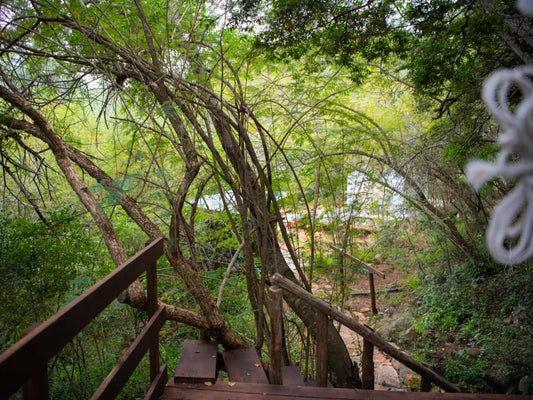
pixel 244 173
pixel 343 372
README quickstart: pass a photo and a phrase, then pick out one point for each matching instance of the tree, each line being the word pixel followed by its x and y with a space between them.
pixel 161 72
pixel 442 50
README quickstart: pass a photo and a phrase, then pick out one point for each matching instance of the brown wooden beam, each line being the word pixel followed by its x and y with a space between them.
pixel 365 332
pixel 322 349
pixel 276 335
pixel 367 266
pixel 119 375
pixel 28 355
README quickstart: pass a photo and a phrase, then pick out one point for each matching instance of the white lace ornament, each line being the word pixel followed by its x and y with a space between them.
pixel 509 236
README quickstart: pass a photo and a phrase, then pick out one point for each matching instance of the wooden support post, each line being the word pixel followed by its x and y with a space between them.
pixel 36 387
pixel 372 293
pixel 367 365
pixel 276 336
pixel 151 289
pixel 322 349
pixel 425 384
pixel 320 305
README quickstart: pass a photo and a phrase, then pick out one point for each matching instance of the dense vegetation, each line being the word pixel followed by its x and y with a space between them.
pixel 253 133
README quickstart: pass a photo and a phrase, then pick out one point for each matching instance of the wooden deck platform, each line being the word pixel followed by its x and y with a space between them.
pixel 244 391
pixel 197 371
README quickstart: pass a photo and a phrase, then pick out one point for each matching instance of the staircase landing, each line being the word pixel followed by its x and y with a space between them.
pixel 197 372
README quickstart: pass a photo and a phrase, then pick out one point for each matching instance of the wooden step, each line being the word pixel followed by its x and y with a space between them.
pixel 291 375
pixel 197 363
pixel 244 365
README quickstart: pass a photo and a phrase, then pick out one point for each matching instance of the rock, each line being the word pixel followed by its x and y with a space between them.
pixel 328 288
pixel 525 386
pixel 391 329
pixel 386 375
pixel 380 258
pixel 411 335
pixel 351 305
pixel 359 316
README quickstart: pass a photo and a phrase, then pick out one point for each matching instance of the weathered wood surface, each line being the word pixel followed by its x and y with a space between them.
pixel 36 387
pixel 152 307
pixel 158 384
pixel 365 332
pixel 197 363
pixel 372 293
pixel 244 365
pixel 367 365
pixel 322 349
pixel 276 335
pixel 245 391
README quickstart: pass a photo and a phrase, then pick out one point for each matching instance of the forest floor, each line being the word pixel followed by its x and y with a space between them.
pixel 392 307
pixel 388 373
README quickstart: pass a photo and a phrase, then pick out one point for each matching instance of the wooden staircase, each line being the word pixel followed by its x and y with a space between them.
pixel 197 373
pixel 196 378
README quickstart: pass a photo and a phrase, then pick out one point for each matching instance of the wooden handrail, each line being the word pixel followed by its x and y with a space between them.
pixel 365 265
pixel 365 332
pixel 119 375
pixel 28 356
pixel 371 271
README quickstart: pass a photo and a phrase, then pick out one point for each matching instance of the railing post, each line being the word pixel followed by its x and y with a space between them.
pixel 322 349
pixel 425 384
pixel 372 293
pixel 320 305
pixel 36 387
pixel 151 289
pixel 276 346
pixel 367 365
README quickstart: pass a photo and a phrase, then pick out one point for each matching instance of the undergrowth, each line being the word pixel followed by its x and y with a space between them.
pixel 476 328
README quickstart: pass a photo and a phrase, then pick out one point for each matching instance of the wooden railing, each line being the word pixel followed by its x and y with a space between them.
pixel 25 363
pixel 325 310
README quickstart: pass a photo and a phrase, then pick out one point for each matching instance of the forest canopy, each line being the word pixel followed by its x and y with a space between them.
pixel 229 127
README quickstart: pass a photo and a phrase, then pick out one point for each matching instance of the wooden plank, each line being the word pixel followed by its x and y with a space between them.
pixel 322 349
pixel 365 265
pixel 29 354
pixel 36 387
pixel 244 365
pixel 372 293
pixel 276 335
pixel 367 365
pixel 425 384
pixel 367 333
pixel 291 375
pixel 158 384
pixel 247 391
pixel 197 363
pixel 119 375
pixel 152 306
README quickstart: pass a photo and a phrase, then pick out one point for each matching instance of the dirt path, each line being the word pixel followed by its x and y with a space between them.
pixel 388 373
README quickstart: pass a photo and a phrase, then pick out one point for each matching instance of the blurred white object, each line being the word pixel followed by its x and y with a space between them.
pixel 509 235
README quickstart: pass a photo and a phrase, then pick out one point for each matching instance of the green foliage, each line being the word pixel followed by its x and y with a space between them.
pixel 215 230
pixel 307 115
pixel 39 267
pixel 476 327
